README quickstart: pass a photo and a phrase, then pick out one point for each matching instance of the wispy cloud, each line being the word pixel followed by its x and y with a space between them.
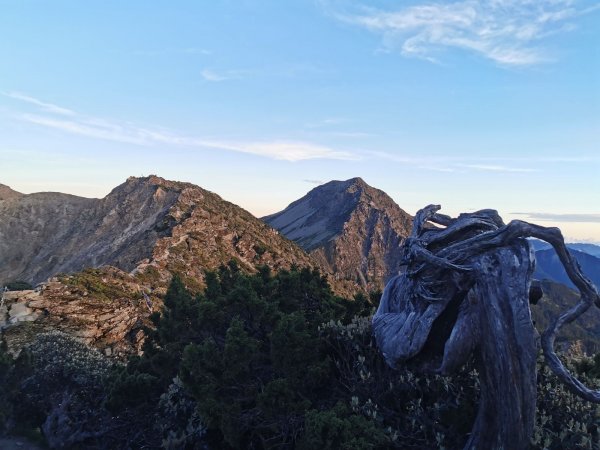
pixel 290 71
pixel 316 182
pixel 495 168
pixel 508 32
pixel 441 163
pixel 438 169
pixel 175 51
pixel 97 128
pixel 550 217
pixel 327 122
pixel 214 76
pixel 284 150
pixel 48 107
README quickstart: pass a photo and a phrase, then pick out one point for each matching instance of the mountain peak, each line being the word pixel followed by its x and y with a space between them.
pixel 349 227
pixel 357 182
pixel 343 185
pixel 155 180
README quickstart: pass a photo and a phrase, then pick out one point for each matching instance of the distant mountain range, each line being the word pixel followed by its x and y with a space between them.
pixel 549 267
pixel 590 249
pixel 350 230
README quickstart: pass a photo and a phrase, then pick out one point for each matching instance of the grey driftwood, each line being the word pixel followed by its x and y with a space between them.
pixel 465 292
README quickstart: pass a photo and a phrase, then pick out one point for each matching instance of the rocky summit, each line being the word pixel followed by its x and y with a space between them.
pixel 351 230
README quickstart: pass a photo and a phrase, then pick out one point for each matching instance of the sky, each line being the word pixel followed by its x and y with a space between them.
pixel 467 104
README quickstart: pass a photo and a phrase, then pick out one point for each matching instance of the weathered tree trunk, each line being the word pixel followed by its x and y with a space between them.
pixel 465 292
pixel 506 353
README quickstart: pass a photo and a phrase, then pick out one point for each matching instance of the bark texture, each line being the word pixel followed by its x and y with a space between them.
pixel 464 292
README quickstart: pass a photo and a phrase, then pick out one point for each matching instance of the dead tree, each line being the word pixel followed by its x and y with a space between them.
pixel 465 292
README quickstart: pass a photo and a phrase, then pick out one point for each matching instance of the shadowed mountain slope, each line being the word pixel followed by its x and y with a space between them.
pixel 557 299
pixel 549 267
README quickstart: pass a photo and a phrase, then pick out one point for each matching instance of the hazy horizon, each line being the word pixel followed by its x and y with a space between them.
pixel 467 104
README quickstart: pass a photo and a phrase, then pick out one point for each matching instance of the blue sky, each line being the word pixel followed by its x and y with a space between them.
pixel 468 104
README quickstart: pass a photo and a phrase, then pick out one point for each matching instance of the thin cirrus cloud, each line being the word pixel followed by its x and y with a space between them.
pixel 508 32
pixel 69 121
pixel 213 76
pixel 315 182
pixel 454 163
pixel 550 217
pixel 48 107
pixel 174 51
pixel 496 168
pixel 300 70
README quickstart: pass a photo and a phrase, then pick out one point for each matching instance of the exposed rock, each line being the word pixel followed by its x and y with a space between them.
pixel 110 316
pixel 350 228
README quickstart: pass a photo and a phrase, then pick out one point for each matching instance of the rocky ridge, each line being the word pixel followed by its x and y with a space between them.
pixel 147 228
pixel 351 229
pixel 145 223
pixel 206 231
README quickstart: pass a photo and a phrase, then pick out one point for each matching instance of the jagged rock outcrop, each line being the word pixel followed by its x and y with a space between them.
pixel 104 308
pixel 351 229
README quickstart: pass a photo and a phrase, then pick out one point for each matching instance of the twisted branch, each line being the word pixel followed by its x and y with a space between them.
pixel 457 256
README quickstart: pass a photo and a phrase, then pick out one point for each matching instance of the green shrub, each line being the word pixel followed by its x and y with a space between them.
pixel 18 286
pixel 8 387
pixel 339 428
pixel 264 361
pixel 60 381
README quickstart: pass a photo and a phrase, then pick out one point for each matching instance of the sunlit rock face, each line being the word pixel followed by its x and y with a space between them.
pixel 350 228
